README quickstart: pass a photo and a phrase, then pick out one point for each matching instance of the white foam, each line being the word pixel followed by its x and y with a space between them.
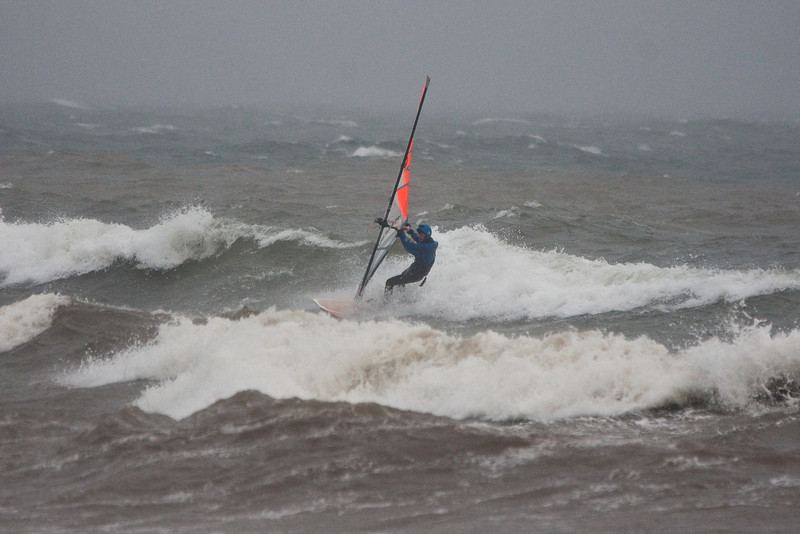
pixel 644 147
pixel 374 152
pixel 22 321
pixel 494 120
pixel 478 275
pixel 6 185
pixel 532 204
pixel 589 150
pixel 785 481
pixel 155 129
pixel 677 133
pixel 268 236
pixel 40 252
pixel 345 123
pixel 415 367
pixel 509 213
pixel 68 103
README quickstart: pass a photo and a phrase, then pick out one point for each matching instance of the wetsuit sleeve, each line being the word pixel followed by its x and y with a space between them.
pixel 408 244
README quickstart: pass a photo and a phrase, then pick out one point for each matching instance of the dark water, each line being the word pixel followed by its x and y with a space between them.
pixel 609 340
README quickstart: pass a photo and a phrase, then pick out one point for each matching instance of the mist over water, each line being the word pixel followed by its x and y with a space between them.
pixel 673 59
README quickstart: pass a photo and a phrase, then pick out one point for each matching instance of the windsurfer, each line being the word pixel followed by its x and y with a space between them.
pixel 421 245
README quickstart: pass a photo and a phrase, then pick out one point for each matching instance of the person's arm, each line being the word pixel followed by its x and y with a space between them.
pixel 411 246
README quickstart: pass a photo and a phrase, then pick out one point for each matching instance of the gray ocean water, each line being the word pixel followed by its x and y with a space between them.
pixel 609 340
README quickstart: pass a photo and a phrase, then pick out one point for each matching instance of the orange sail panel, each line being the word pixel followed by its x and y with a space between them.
pixel 402 189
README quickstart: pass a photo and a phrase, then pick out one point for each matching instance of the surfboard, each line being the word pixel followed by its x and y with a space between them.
pixel 339 308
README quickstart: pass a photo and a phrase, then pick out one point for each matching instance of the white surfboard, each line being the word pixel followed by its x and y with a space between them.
pixel 339 308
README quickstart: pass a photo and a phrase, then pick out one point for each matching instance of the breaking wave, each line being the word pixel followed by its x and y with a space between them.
pixel 416 367
pixel 22 321
pixel 40 252
pixel 478 275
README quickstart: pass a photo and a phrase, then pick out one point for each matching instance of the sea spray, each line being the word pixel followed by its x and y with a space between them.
pixel 480 276
pixel 23 320
pixel 41 252
pixel 416 367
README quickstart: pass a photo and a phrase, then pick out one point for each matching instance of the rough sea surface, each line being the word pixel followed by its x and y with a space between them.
pixel 609 341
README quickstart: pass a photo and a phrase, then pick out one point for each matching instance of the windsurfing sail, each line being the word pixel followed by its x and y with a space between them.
pixel 397 210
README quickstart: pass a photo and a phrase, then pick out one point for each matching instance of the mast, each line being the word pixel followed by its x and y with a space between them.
pixel 366 277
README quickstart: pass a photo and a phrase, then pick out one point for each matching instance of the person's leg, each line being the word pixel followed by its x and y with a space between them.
pixel 413 274
pixel 391 282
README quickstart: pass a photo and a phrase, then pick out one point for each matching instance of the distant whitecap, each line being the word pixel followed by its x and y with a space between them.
pixel 374 152
pixel 595 151
pixel 492 120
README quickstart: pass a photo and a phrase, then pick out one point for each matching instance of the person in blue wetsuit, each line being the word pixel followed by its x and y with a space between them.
pixel 422 246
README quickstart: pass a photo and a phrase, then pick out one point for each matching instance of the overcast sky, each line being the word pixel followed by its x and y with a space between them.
pixel 672 58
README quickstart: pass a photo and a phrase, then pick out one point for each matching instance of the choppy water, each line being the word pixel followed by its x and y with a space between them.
pixel 609 340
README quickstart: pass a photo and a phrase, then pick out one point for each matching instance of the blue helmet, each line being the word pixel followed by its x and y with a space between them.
pixel 425 229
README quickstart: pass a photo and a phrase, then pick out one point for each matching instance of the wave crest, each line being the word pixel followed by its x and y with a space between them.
pixel 23 320
pixel 419 368
pixel 374 152
pixel 478 275
pixel 41 252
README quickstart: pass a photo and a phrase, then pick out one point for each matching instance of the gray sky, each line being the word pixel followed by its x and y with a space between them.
pixel 673 58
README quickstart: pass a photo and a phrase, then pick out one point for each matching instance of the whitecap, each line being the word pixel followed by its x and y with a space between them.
pixel 154 129
pixel 337 122
pixel 511 212
pixel 23 320
pixel 493 120
pixel 416 367
pixel 72 104
pixel 40 252
pixel 589 149
pixel 521 283
pixel 374 152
